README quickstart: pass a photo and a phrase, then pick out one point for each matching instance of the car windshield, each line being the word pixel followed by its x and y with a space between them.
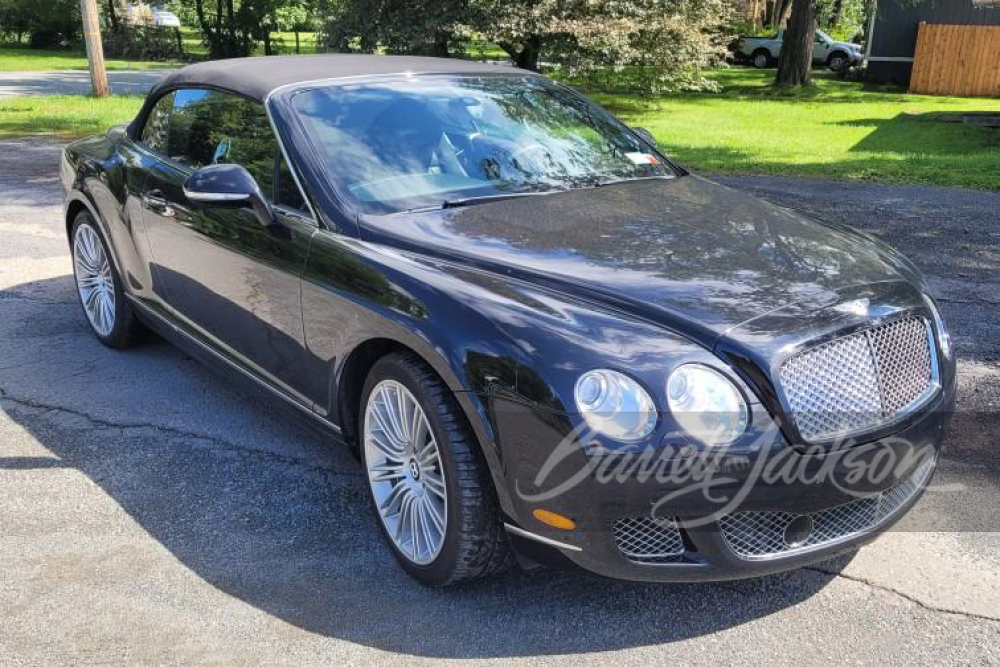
pixel 426 141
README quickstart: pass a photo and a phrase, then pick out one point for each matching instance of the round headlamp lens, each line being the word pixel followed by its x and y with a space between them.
pixel 615 405
pixel 706 404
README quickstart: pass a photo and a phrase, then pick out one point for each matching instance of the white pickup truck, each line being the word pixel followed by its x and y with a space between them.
pixel 763 51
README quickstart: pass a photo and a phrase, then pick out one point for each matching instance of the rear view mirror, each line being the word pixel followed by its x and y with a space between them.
pixel 228 185
pixel 646 135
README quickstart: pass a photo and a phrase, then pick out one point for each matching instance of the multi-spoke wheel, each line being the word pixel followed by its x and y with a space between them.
pixel 404 469
pixel 429 484
pixel 93 280
pixel 110 316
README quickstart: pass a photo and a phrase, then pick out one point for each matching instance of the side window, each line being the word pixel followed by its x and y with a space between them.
pixel 197 127
pixel 209 127
pixel 154 134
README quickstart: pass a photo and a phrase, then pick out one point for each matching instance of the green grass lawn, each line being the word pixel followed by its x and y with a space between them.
pixel 836 129
pixel 19 58
pixel 66 116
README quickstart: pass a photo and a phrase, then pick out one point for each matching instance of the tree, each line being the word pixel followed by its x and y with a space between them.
pixel 112 15
pixel 795 59
pixel 424 27
pixel 522 28
pixel 223 34
pixel 49 23
pixel 648 45
pixel 297 17
pixel 651 45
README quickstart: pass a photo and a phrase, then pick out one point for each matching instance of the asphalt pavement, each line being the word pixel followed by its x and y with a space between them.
pixel 151 513
pixel 76 82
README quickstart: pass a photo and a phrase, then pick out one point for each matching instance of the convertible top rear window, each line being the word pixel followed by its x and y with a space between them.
pixel 421 141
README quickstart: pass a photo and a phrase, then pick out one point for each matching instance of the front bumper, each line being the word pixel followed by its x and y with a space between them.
pixel 824 487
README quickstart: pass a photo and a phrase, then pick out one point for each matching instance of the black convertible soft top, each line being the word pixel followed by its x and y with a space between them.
pixel 256 77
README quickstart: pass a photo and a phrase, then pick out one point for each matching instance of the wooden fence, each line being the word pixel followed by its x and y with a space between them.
pixel 957 60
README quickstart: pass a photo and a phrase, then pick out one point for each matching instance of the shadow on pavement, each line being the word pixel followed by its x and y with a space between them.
pixel 294 537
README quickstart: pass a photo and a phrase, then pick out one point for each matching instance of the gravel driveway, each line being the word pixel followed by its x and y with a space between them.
pixel 151 514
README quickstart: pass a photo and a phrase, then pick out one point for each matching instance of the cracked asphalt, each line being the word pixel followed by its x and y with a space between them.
pixel 150 513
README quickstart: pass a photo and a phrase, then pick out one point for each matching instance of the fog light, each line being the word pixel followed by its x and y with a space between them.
pixel 798 531
pixel 555 520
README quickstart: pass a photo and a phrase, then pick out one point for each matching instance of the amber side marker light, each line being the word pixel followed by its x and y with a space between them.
pixel 555 520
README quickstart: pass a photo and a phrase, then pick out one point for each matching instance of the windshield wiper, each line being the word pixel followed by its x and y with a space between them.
pixel 485 199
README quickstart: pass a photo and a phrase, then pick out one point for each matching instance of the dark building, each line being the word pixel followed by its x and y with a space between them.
pixel 893 31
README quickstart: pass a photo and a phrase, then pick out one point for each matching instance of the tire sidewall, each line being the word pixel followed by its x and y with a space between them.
pixel 118 332
pixel 760 54
pixel 837 57
pixel 394 367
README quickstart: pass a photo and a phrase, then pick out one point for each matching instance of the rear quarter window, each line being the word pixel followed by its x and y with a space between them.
pixel 154 134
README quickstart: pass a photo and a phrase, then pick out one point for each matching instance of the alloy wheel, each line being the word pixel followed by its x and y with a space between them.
pixel 405 472
pixel 94 280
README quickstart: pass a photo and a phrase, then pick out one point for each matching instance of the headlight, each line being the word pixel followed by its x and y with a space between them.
pixel 944 338
pixel 706 404
pixel 615 405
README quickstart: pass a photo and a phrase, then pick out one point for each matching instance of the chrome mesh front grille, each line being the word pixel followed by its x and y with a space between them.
pixel 761 535
pixel 648 539
pixel 860 381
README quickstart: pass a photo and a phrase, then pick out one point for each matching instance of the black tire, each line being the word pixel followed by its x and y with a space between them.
pixel 475 543
pixel 761 58
pixel 127 330
pixel 838 61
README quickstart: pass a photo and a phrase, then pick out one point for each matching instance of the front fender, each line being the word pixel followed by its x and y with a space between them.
pixel 494 340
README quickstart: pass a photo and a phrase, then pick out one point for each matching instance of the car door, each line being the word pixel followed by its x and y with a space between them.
pixel 821 49
pixel 226 278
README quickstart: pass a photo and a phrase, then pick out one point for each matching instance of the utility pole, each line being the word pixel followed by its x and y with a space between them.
pixel 95 51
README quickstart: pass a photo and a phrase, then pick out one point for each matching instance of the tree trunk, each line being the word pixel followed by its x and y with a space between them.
pixel 180 42
pixel 112 16
pixel 838 8
pixel 439 48
pixel 528 57
pixel 795 60
pixel 778 11
pixel 524 55
pixel 297 41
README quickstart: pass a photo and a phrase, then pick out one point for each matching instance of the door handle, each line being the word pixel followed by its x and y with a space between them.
pixel 154 201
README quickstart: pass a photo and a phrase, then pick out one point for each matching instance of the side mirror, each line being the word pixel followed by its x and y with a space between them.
pixel 229 185
pixel 646 135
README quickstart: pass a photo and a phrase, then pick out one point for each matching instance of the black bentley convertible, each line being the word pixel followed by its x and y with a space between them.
pixel 540 336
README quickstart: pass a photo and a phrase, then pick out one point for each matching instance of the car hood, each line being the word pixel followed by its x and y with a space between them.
pixel 694 255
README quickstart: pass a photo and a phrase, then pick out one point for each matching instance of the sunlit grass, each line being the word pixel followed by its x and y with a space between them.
pixel 64 116
pixel 835 129
pixel 17 58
